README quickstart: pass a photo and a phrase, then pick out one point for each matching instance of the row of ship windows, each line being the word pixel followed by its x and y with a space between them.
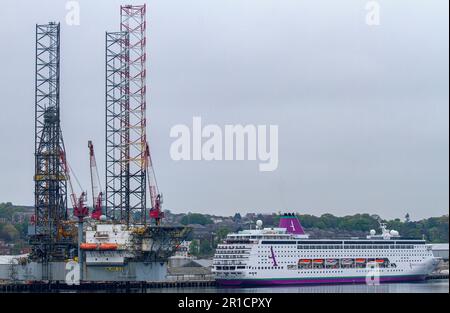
pixel 289 261
pixel 309 241
pixel 231 252
pixel 325 270
pixel 313 271
pixel 400 261
pixel 408 253
pixel 312 242
pixel 324 254
pixel 228 247
pixel 309 247
pixel 241 257
pixel 230 241
pixel 320 247
pixel 231 256
pixel 240 238
pixel 357 271
pixel 283 249
pixel 390 268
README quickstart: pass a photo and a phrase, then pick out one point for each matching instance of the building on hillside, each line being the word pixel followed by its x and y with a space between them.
pixel 22 217
pixel 183 249
pixel 440 250
pixel 199 231
pixel 217 220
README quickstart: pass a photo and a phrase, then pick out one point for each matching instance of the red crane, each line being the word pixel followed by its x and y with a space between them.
pixel 97 195
pixel 79 208
pixel 156 198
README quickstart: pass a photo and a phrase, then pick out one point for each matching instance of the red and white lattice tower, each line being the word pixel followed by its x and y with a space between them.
pixel 133 22
pixel 127 154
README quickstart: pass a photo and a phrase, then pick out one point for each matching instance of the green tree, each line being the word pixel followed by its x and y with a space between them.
pixel 196 218
pixel 407 218
pixel 329 221
pixel 205 248
pixel 22 228
pixel 6 210
pixel 222 233
pixel 9 233
pixel 194 248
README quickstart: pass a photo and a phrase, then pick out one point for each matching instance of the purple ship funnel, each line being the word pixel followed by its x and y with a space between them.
pixel 292 224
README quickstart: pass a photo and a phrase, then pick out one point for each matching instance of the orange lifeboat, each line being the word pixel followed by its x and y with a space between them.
pixel 108 246
pixel 318 261
pixel 360 260
pixel 304 261
pixel 88 246
pixel 379 260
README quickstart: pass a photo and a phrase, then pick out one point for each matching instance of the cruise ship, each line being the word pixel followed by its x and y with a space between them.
pixel 287 256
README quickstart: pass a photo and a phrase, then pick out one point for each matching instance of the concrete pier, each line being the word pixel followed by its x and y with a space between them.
pixel 128 287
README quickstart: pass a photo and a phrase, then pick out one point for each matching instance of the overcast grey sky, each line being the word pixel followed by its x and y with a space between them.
pixel 362 111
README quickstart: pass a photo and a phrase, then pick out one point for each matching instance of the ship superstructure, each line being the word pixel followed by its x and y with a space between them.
pixel 286 255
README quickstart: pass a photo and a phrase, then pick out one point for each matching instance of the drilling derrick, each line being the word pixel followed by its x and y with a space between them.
pixel 50 181
pixel 133 21
pixel 123 233
pixel 125 118
pixel 117 167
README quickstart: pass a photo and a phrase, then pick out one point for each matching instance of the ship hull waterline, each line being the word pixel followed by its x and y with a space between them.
pixel 316 281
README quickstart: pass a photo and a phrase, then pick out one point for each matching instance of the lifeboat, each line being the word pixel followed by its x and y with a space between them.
pixel 347 261
pixel 304 261
pixel 88 246
pixel 318 261
pixel 360 261
pixel 331 262
pixel 108 246
pixel 379 260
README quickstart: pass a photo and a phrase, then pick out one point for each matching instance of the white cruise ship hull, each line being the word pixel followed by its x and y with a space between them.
pixel 417 272
pixel 278 256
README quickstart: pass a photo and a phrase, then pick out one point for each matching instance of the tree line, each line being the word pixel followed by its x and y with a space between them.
pixel 433 229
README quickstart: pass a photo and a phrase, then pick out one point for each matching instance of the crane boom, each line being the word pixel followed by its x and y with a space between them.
pixel 95 184
pixel 62 157
pixel 156 199
pixel 78 204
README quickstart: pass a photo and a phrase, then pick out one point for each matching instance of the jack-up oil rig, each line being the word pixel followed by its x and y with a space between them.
pixel 120 239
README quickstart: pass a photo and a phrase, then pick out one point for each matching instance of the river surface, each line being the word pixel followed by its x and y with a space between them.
pixel 431 286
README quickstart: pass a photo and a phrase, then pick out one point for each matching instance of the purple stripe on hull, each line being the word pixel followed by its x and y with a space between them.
pixel 314 281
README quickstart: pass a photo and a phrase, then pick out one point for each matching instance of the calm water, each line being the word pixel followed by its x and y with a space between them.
pixel 431 286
